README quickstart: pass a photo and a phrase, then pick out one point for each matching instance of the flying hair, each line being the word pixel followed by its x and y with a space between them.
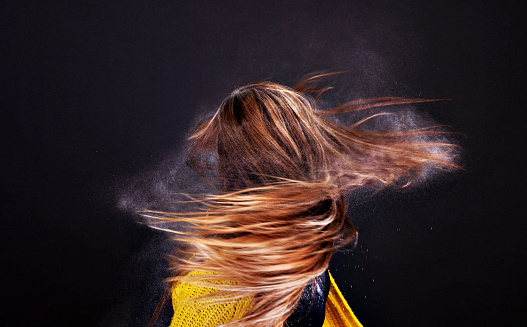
pixel 281 167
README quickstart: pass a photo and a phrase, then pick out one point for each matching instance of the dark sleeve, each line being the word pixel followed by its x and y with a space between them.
pixel 310 311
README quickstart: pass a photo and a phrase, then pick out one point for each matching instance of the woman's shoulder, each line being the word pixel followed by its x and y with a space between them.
pixel 195 304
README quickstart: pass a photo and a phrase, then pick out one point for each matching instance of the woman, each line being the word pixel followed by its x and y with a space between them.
pixel 281 168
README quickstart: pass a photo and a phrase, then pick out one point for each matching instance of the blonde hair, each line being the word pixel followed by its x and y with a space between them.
pixel 282 168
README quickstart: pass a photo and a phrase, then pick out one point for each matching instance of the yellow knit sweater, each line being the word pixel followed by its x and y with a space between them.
pixel 338 312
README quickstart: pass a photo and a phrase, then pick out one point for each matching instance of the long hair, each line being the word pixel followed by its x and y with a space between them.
pixel 281 168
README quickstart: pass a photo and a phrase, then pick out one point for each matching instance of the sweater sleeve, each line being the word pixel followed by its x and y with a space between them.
pixel 338 312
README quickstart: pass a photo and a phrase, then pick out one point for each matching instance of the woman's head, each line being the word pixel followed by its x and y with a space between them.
pixel 261 132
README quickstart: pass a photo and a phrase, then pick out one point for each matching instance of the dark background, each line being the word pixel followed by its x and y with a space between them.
pixel 93 93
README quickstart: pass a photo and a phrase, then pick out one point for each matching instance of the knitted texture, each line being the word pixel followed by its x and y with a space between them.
pixel 338 312
pixel 189 314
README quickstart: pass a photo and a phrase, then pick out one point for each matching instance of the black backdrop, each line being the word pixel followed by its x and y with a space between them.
pixel 96 92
